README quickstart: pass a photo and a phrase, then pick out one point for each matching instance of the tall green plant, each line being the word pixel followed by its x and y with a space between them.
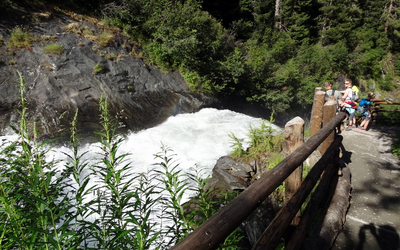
pixel 32 191
pixel 175 186
pixel 111 227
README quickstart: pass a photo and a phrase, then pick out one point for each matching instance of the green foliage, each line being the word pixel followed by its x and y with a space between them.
pixel 253 50
pixel 278 58
pixel 237 146
pixel 98 69
pixel 30 191
pixel 52 205
pixel 105 38
pixel 396 148
pixel 53 48
pixel 21 37
pixel 262 140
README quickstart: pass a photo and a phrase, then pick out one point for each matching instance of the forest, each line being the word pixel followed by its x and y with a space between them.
pixel 270 52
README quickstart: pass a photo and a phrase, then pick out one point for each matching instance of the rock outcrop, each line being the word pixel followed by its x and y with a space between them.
pixel 59 84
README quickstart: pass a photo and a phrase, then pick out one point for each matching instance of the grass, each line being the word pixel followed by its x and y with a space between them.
pixel 105 38
pixel 21 37
pixel 53 48
pixel 99 203
pixel 98 69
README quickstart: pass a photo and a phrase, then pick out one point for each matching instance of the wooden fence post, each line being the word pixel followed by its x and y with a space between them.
pixel 316 112
pixel 318 89
pixel 329 112
pixel 294 138
pixel 275 230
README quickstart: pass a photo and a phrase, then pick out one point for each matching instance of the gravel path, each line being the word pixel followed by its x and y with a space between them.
pixel 373 219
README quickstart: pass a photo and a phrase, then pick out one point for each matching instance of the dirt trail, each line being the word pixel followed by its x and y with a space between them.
pixel 373 219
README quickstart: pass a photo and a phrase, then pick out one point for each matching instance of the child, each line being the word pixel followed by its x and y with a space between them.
pixel 351 109
pixel 365 109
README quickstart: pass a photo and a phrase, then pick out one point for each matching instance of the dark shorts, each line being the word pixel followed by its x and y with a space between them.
pixel 366 116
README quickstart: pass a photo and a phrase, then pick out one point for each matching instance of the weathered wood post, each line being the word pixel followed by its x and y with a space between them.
pixel 316 112
pixel 329 112
pixel 318 89
pixel 294 137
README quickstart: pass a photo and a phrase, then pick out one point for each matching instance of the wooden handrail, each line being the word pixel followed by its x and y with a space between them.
pixel 274 232
pixel 213 231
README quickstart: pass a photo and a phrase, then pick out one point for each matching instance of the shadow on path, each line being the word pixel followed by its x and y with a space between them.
pixel 386 236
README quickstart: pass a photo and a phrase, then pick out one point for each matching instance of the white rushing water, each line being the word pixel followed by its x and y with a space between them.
pixel 196 140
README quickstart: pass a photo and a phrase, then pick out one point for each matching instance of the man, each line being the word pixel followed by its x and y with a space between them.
pixel 335 95
pixel 331 93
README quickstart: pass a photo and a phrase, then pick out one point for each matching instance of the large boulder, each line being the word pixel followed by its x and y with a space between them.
pixel 58 85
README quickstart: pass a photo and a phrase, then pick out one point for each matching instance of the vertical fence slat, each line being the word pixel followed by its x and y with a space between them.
pixel 316 112
pixel 329 111
pixel 294 138
pixel 301 230
pixel 274 232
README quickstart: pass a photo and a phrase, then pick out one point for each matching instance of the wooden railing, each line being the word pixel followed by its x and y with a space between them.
pixel 378 111
pixel 213 232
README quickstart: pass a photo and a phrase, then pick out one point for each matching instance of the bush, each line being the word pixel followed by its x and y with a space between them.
pixel 53 48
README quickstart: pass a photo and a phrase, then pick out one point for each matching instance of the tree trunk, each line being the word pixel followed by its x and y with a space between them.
pixel 277 21
pixel 387 20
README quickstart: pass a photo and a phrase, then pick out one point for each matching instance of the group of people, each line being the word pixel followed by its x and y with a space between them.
pixel 348 101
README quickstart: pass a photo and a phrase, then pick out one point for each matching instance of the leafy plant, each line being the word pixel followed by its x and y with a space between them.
pixel 98 69
pixel 53 48
pixel 237 145
pixel 396 148
pixel 95 203
pixel 32 191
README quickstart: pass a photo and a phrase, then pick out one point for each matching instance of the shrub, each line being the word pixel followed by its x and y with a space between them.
pixel 21 37
pixel 53 48
pixel 98 69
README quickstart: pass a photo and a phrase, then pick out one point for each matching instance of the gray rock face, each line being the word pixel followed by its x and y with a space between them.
pixel 58 85
pixel 229 175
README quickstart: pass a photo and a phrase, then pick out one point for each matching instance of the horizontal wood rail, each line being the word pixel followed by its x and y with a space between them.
pixel 272 235
pixel 213 231
pixel 377 110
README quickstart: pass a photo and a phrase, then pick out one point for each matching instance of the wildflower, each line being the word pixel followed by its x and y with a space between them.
pixel 32 136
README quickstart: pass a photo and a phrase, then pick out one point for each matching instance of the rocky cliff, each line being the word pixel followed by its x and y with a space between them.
pixel 91 59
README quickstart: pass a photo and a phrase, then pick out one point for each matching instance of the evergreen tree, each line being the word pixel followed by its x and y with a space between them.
pixel 338 19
